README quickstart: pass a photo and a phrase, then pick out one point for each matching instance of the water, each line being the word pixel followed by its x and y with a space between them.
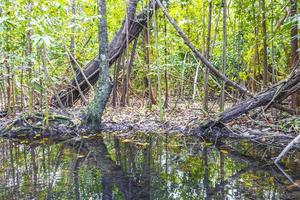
pixel 143 166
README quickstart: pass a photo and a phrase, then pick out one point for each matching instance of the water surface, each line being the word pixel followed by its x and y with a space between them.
pixel 143 166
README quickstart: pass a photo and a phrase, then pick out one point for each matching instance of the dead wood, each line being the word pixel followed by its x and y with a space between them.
pixel 273 95
pixel 287 148
pixel 284 109
pixel 117 46
pixel 212 69
pixel 62 126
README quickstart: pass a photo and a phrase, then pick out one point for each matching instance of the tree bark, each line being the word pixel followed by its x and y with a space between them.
pixel 273 95
pixel 265 52
pixel 104 86
pixel 72 38
pixel 212 69
pixel 127 78
pixel 205 100
pixel 115 86
pixel 157 63
pixel 166 103
pixel 224 54
pixel 9 88
pixel 256 58
pixel 294 54
pixel 146 47
pixel 70 95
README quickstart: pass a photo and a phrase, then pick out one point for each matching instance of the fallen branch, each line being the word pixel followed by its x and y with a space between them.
pixel 119 43
pixel 287 148
pixel 287 87
pixel 212 69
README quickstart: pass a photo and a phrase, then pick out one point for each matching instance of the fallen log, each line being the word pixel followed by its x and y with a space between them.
pixel 261 99
pixel 272 96
pixel 31 127
pixel 68 96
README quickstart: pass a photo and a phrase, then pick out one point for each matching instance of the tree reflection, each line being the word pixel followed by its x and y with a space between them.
pixel 145 166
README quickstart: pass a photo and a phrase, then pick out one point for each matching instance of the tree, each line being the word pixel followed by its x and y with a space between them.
pixel 104 86
pixel 205 101
pixel 116 47
pixel 224 55
pixel 28 50
pixel 294 60
pixel 72 38
pixel 265 52
pixel 228 59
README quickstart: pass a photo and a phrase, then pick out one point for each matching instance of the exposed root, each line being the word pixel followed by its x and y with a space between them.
pixel 34 126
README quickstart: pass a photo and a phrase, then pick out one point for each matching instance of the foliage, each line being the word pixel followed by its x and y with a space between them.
pixel 55 24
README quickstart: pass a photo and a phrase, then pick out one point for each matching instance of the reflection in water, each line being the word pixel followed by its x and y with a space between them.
pixel 143 166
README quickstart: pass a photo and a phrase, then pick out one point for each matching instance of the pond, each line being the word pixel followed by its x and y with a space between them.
pixel 144 166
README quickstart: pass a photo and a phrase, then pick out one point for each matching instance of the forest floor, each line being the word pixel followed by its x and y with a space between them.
pixel 184 116
pixel 274 128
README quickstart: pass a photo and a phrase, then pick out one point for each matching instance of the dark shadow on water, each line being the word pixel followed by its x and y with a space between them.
pixel 144 166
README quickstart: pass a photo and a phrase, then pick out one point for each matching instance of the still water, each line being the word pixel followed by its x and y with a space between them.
pixel 144 166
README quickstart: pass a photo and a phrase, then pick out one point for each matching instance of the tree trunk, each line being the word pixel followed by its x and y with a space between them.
pixel 166 103
pixel 9 88
pixel 265 53
pixel 70 95
pixel 28 54
pixel 272 45
pixel 224 55
pixel 212 69
pixel 157 62
pixel 205 101
pixel 72 38
pixel 276 94
pixel 294 62
pixel 43 54
pixel 146 43
pixel 127 77
pixel 264 98
pixel 104 86
pixel 256 59
pixel 115 86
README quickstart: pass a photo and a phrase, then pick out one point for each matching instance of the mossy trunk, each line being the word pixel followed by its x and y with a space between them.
pixel 96 107
pixel 104 86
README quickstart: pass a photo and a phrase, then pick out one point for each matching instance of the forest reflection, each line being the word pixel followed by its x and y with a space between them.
pixel 142 166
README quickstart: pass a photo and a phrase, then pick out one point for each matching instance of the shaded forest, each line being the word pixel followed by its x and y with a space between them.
pixel 187 99
pixel 207 68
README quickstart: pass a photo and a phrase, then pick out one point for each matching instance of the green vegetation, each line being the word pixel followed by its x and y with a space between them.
pixel 44 44
pixel 187 66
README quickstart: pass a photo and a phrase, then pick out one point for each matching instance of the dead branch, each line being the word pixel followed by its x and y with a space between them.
pixel 287 87
pixel 212 69
pixel 287 148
